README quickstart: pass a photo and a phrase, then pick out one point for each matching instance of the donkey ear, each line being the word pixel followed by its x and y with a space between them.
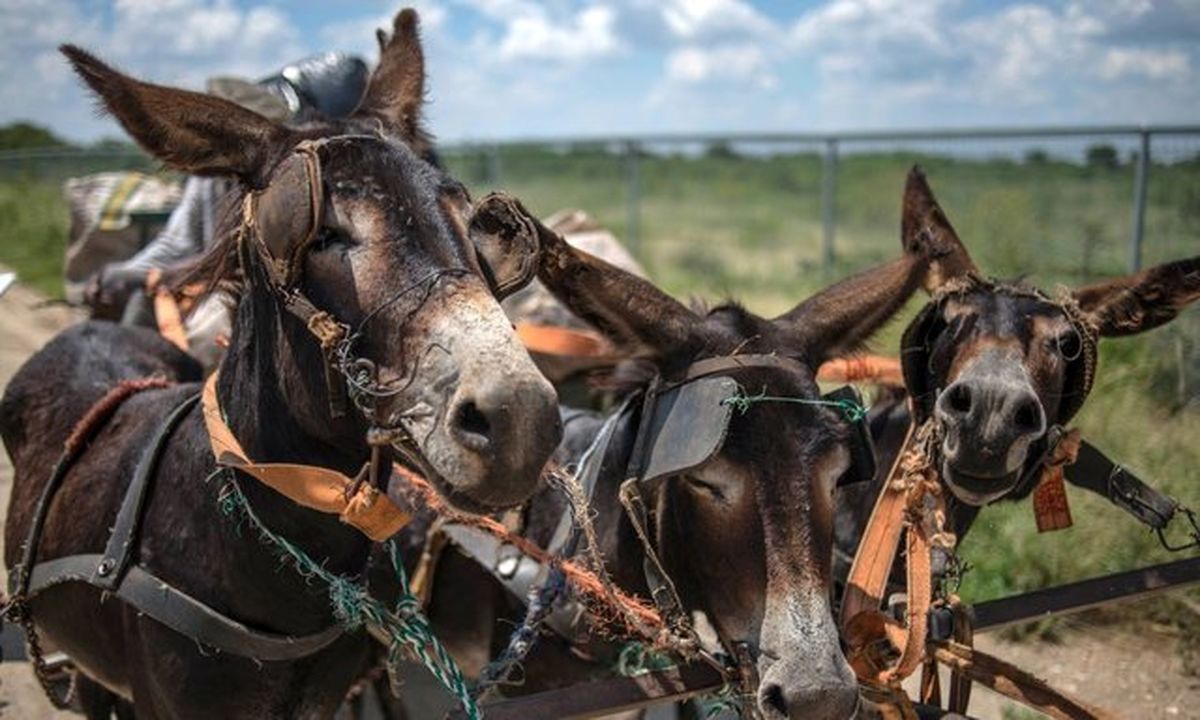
pixel 506 243
pixel 924 230
pixel 1142 301
pixel 396 90
pixel 626 308
pixel 196 133
pixel 841 318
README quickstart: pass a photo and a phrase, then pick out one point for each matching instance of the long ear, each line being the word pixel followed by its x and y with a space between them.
pixel 628 309
pixel 396 90
pixel 841 318
pixel 924 229
pixel 198 134
pixel 1145 300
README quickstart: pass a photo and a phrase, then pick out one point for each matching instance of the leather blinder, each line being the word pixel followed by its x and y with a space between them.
pixel 285 215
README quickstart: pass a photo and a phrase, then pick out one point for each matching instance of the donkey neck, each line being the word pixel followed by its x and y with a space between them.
pixel 272 389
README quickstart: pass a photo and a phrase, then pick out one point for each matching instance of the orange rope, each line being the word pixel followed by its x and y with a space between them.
pixel 646 620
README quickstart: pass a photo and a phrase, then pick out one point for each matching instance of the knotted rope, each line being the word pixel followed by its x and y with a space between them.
pixel 406 626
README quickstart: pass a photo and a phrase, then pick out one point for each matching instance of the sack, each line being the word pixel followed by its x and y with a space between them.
pixel 102 229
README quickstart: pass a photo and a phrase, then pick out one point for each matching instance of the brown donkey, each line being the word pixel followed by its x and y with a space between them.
pixel 344 225
pixel 743 531
pixel 1002 366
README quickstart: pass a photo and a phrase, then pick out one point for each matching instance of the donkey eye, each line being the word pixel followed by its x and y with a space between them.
pixel 330 237
pixel 705 487
pixel 1068 344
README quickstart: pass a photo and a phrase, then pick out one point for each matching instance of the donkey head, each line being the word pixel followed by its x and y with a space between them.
pixel 401 287
pixel 998 364
pixel 746 535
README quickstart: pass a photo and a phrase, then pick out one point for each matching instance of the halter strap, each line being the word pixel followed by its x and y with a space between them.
pixel 356 503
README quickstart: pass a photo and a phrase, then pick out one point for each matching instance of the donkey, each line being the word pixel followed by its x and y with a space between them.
pixel 351 221
pixel 998 365
pixel 744 535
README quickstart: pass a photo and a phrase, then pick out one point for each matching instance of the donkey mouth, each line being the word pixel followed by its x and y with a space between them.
pixel 975 489
pixel 458 498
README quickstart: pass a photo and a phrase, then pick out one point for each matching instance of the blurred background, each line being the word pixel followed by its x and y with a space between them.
pixel 755 150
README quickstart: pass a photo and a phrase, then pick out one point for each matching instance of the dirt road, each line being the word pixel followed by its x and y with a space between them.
pixel 1137 674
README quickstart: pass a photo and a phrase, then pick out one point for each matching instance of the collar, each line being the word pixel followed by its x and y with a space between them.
pixel 359 504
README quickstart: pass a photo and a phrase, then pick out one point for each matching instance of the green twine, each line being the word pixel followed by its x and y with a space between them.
pixel 742 402
pixel 636 659
pixel 406 626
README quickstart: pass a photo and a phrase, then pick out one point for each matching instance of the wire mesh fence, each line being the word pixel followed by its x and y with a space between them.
pixel 768 218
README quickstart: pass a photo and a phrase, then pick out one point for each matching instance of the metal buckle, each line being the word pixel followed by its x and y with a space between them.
pixel 1194 531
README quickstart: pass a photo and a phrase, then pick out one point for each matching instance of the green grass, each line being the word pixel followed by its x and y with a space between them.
pixel 749 228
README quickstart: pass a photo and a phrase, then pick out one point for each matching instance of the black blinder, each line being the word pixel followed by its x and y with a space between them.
pixel 915 346
pixel 285 214
pixel 862 448
pixel 506 243
pixel 687 427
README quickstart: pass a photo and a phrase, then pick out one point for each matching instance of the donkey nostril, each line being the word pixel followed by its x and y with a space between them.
pixel 960 399
pixel 772 699
pixel 1028 416
pixel 471 420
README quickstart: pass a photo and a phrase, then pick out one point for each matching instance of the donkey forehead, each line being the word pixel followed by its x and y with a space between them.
pixel 1000 314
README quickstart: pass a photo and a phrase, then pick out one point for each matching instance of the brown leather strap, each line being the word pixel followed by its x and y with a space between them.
pixel 727 363
pixel 878 546
pixel 964 634
pixel 1014 683
pixel 319 488
pixel 903 506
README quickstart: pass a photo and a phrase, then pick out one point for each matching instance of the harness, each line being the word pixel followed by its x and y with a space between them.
pixel 667 430
pixel 269 223
pixel 936 627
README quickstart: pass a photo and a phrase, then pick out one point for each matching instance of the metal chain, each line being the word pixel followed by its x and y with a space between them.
pixel 17 610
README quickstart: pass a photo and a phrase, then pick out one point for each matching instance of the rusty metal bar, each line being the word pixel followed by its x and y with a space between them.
pixel 1085 594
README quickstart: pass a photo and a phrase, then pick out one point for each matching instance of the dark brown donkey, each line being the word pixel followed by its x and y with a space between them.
pixel 1000 364
pixel 433 364
pixel 745 536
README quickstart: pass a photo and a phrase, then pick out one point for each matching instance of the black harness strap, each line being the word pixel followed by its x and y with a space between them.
pixel 1094 471
pixel 113 571
pixel 181 612
pixel 121 542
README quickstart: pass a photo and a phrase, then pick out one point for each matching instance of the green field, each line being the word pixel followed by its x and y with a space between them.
pixel 748 227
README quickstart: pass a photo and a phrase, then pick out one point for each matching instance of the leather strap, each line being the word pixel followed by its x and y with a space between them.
pixel 1094 471
pixel 1012 682
pixel 181 612
pixel 904 506
pixel 359 504
pixel 729 363
pixel 119 550
pixel 877 548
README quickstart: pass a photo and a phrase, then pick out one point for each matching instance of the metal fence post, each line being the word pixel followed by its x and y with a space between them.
pixel 491 163
pixel 633 197
pixel 829 202
pixel 1140 180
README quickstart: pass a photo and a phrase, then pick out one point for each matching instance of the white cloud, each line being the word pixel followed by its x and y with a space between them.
pixel 693 19
pixel 694 65
pixel 533 34
pixel 1152 64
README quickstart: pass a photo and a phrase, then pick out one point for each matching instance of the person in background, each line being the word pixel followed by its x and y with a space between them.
pixel 328 85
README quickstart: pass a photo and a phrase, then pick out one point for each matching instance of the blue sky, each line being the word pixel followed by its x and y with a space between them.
pixel 515 68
